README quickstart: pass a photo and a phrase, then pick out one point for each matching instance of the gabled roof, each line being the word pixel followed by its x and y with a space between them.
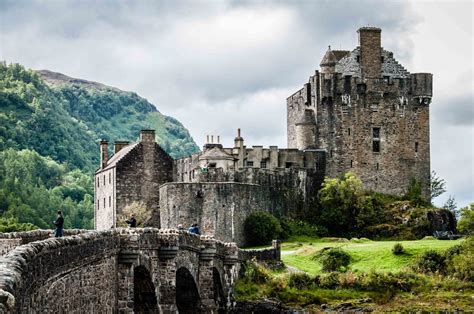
pixel 216 153
pixel 333 56
pixel 114 160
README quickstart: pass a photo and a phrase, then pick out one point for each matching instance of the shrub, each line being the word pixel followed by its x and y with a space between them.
pixel 261 228
pixel 300 280
pixel 141 212
pixel 256 273
pixel 460 265
pixel 430 261
pixel 403 281
pixel 335 259
pixel 398 249
pixel 300 228
pixel 329 281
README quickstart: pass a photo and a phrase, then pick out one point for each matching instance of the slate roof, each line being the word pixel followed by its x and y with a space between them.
pixel 115 159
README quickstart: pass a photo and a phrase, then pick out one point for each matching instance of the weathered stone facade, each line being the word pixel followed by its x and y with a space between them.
pixel 371 116
pixel 133 174
pixel 120 271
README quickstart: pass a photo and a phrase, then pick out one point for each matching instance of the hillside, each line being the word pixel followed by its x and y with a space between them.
pixel 56 121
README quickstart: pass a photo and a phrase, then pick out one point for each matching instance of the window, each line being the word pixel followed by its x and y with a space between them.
pixel 110 201
pixel 377 166
pixel 288 165
pixel 249 163
pixel 98 181
pixel 110 178
pixel 376 140
pixel 104 202
pixel 351 163
pixel 263 164
pixel 193 174
pixel 358 59
pixel 98 204
pixel 416 147
pixel 347 84
pixel 212 165
pixel 104 179
pixel 382 59
pixel 349 131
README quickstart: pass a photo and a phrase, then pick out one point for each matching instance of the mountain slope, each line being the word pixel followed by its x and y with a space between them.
pixel 64 118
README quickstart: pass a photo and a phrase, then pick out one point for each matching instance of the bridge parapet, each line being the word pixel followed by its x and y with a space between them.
pixel 83 270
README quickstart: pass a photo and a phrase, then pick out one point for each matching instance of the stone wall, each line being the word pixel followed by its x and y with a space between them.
pixel 119 270
pixel 219 208
pixel 10 240
pixel 139 176
pixel 61 274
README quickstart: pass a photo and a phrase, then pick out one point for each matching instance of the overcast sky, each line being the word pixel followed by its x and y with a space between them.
pixel 220 65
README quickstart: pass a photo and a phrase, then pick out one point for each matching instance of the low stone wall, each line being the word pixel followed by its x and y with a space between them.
pixel 60 274
pixel 266 254
pixel 10 240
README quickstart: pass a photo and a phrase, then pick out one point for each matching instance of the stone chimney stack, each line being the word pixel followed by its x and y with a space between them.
pixel 104 153
pixel 370 51
pixel 147 136
pixel 238 141
pixel 118 145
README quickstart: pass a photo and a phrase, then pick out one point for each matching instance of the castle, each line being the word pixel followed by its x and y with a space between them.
pixel 361 112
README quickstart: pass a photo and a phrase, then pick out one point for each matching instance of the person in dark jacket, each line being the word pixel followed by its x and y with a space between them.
pixel 59 222
pixel 132 221
pixel 194 229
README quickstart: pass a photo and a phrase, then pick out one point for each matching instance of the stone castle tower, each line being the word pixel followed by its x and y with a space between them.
pixel 369 114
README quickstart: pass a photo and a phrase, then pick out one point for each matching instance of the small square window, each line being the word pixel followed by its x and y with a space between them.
pixel 249 163
pixel 263 164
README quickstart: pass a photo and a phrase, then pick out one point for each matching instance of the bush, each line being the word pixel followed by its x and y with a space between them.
pixel 256 273
pixel 430 261
pixel 398 249
pixel 292 227
pixel 459 260
pixel 329 281
pixel 335 259
pixel 300 281
pixel 261 228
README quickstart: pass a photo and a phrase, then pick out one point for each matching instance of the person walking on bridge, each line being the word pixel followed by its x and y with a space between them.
pixel 59 222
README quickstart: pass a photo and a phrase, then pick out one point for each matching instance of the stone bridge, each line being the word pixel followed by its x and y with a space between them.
pixel 119 271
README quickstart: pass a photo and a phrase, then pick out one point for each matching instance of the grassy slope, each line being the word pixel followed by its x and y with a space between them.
pixel 366 256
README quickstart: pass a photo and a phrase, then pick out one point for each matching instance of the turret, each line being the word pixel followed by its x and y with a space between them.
pixel 104 153
pixel 370 51
pixel 328 62
pixel 422 87
pixel 306 131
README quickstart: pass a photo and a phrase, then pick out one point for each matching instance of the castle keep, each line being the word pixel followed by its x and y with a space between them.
pixel 361 112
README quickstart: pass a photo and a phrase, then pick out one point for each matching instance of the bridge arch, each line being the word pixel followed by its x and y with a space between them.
pixel 144 296
pixel 219 295
pixel 187 294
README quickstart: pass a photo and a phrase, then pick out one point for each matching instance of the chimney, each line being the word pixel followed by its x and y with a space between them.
pixel 118 145
pixel 104 153
pixel 238 141
pixel 147 136
pixel 370 51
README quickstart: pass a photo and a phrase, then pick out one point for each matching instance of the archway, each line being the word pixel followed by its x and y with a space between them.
pixel 219 296
pixel 144 297
pixel 187 295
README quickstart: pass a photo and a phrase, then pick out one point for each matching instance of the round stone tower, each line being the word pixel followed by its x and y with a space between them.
pixel 306 131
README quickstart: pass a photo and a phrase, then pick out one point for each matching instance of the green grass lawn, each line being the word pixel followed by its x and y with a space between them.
pixel 366 255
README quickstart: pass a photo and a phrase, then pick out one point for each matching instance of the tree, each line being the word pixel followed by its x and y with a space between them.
pixel 438 185
pixel 260 228
pixel 466 223
pixel 450 204
pixel 338 199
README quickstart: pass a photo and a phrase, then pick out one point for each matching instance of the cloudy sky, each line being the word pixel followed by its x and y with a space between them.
pixel 220 65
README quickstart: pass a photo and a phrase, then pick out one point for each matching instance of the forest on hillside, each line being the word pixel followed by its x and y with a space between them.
pixel 49 134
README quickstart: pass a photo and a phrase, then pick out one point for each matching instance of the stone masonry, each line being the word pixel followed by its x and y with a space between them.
pixel 120 271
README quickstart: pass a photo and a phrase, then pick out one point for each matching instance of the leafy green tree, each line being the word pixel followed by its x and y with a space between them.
pixel 466 223
pixel 338 199
pixel 261 228
pixel 438 185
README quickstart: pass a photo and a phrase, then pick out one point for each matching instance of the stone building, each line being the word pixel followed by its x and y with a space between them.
pixel 368 113
pixel 361 112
